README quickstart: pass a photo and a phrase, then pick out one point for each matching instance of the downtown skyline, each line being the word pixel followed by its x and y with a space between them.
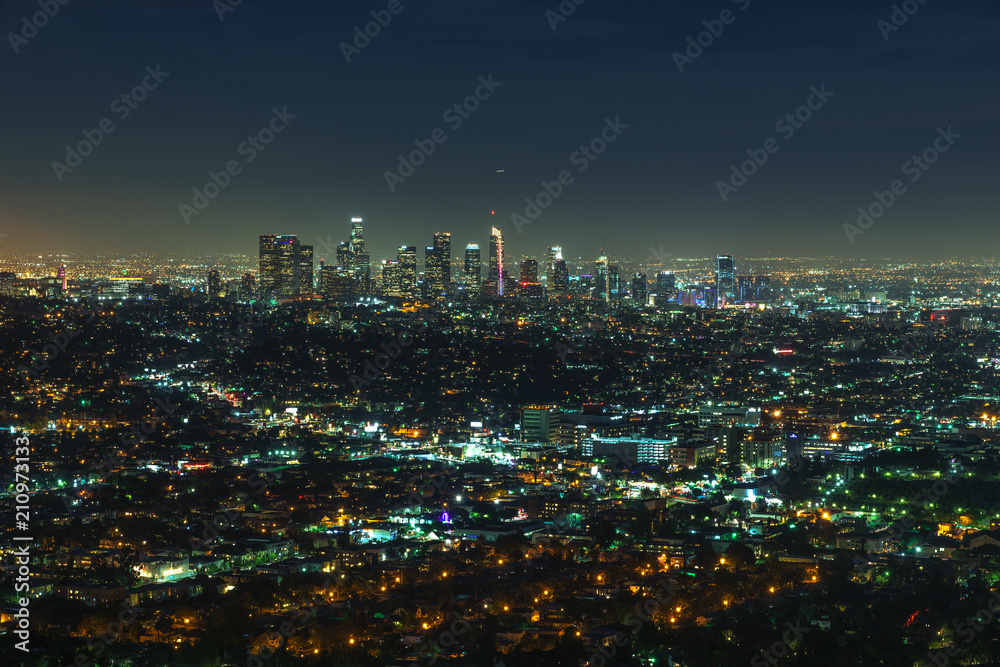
pixel 514 333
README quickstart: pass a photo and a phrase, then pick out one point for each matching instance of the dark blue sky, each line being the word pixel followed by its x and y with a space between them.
pixel 656 185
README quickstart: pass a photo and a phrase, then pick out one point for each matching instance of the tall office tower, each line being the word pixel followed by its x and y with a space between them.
pixel 407 258
pixel 614 282
pixel 214 288
pixel 288 267
pixel 746 289
pixel 363 271
pixel 336 284
pixel 357 236
pixel 393 283
pixel 345 257
pixel 530 286
pixel 666 283
pixel 285 267
pixel 559 278
pixel 433 282
pixel 279 267
pixel 324 282
pixel 473 268
pixel 306 285
pixel 494 279
pixel 640 288
pixel 268 266
pixel 61 275
pixel 363 265
pixel 709 297
pixel 248 288
pixel 763 288
pixel 725 278
pixel 529 271
pixel 553 255
pixel 601 278
pixel 442 245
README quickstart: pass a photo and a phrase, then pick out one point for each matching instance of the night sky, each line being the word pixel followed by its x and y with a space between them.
pixel 655 186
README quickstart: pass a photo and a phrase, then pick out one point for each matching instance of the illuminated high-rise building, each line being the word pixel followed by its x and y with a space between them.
pixel 495 277
pixel 559 278
pixel 305 270
pixel 614 282
pixel 437 266
pixel 432 272
pixel 529 271
pixel 345 257
pixel 725 278
pixel 360 260
pixel 248 288
pixel 442 246
pixel 754 289
pixel 214 287
pixel 666 284
pixel 336 284
pixel 286 268
pixel 601 290
pixel 268 265
pixel 529 284
pixel 61 275
pixel 407 258
pixel 393 283
pixel 763 288
pixel 640 288
pixel 357 236
pixel 473 273
pixel 553 255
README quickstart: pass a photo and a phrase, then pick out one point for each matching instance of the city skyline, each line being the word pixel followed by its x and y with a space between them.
pixel 511 333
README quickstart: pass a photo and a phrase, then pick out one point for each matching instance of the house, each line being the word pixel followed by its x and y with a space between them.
pixel 879 541
pixel 981 538
pixel 940 546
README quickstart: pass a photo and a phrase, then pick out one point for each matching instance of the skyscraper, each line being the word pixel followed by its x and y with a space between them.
pixel 529 271
pixel 357 236
pixel 763 288
pixel 305 270
pixel 345 257
pixel 754 288
pixel 529 284
pixel 248 288
pixel 392 280
pixel 285 267
pixel 62 277
pixel 268 266
pixel 559 278
pixel 288 266
pixel 335 284
pixel 494 279
pixel 432 272
pixel 214 288
pixel 640 288
pixel 360 259
pixel 407 257
pixel 553 255
pixel 725 278
pixel 473 268
pixel 363 269
pixel 442 245
pixel 614 282
pixel 601 290
pixel 437 265
pixel 666 284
